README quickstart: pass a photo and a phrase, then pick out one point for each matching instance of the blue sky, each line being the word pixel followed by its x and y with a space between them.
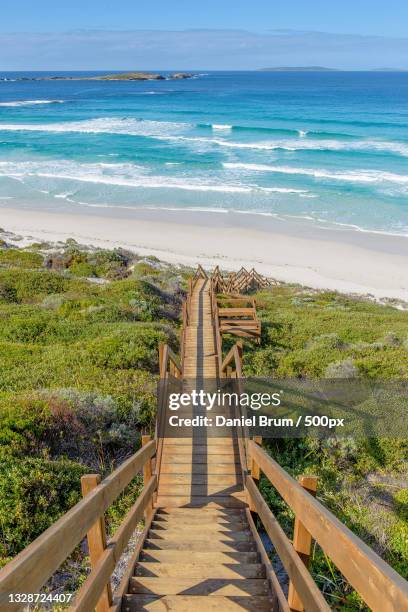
pixel 210 34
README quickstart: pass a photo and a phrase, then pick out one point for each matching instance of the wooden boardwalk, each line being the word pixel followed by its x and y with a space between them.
pixel 200 360
pixel 200 553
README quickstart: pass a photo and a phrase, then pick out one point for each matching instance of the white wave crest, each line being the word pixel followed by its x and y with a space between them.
pixel 108 125
pixel 64 196
pixel 179 132
pixel 356 176
pixel 126 175
pixel 299 144
pixel 30 102
pixel 304 144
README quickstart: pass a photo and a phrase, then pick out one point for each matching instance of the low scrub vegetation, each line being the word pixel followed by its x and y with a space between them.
pixel 79 333
pixel 309 334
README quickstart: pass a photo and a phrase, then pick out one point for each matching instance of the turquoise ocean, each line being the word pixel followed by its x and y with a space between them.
pixel 330 147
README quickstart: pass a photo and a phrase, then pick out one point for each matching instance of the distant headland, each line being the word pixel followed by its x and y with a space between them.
pixel 325 69
pixel 124 76
pixel 298 69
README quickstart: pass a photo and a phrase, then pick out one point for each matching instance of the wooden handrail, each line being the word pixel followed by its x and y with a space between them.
pixel 381 587
pixel 214 312
pixel 200 273
pixel 168 362
pixel 169 366
pixel 89 593
pixel 234 357
pixel 34 565
pixel 239 281
pixel 297 572
pixel 231 368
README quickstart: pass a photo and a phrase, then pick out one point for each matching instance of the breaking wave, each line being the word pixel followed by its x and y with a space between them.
pixel 30 102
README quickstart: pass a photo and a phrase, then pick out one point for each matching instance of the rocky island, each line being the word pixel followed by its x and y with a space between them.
pixel 123 76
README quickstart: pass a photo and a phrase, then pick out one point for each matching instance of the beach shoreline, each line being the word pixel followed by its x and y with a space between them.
pixel 295 251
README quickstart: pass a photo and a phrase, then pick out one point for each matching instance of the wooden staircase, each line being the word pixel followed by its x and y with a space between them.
pixel 200 358
pixel 199 553
pixel 199 559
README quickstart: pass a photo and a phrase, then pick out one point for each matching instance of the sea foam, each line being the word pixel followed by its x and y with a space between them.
pixel 128 175
pixel 30 102
pixel 358 176
pixel 180 131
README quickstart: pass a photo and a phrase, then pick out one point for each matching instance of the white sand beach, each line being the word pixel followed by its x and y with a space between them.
pixel 295 251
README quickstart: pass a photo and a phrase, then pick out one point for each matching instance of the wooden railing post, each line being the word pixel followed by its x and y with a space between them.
pixel 302 543
pixel 255 471
pixel 161 365
pixel 96 537
pixel 147 474
pixel 240 347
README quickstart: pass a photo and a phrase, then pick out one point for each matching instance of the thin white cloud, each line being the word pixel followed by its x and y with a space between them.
pixel 197 49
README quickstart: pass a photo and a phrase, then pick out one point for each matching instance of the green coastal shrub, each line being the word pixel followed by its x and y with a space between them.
pixel 82 268
pixel 21 285
pixel 34 493
pixel 17 258
pixel 129 347
pixel 90 427
pixel 99 264
pixel 23 422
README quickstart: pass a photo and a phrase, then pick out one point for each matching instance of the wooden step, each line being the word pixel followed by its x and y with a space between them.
pixel 175 457
pixel 209 511
pixel 187 521
pixel 200 571
pixel 209 440
pixel 196 502
pixel 193 586
pixel 200 545
pixel 215 490
pixel 221 535
pixel 195 603
pixel 186 468
pixel 192 527
pixel 198 556
pixel 210 479
pixel 217 449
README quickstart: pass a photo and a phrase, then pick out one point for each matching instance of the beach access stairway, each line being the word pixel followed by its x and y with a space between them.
pixel 199 547
pixel 200 553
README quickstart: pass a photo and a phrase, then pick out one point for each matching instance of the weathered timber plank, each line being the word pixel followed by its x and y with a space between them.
pixel 193 586
pixel 202 557
pixel 188 603
pixel 198 571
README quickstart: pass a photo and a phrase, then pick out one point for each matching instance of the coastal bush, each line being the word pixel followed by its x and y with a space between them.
pixel 23 422
pixel 82 269
pixel 24 286
pixel 17 258
pixel 128 347
pixel 91 263
pixel 90 427
pixel 34 493
pixel 144 268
